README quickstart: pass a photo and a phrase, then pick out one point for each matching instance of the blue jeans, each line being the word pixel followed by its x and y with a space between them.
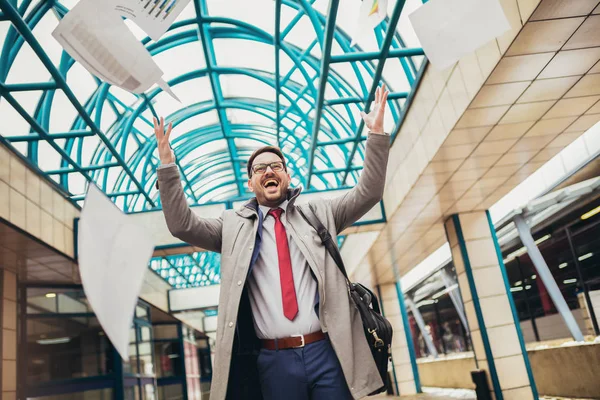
pixel 311 372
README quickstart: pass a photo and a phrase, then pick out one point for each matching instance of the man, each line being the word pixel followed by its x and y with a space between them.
pixel 286 326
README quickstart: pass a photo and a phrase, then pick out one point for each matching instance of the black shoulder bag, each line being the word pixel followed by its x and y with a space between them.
pixel 378 330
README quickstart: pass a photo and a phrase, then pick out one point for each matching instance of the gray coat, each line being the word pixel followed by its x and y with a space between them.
pixel 234 235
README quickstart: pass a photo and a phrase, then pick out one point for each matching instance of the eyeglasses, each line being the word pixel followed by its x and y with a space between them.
pixel 260 169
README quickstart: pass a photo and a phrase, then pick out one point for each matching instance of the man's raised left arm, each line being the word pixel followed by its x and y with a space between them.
pixel 350 207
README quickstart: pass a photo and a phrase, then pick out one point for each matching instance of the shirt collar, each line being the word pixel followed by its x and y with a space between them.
pixel 266 209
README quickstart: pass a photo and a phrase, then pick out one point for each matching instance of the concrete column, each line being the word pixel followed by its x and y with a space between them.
pixel 491 315
pixel 8 334
pixel 404 362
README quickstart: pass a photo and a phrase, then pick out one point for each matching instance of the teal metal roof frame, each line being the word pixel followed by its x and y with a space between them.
pixel 189 270
pixel 286 75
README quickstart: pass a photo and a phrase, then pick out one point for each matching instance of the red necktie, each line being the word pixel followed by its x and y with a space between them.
pixel 288 292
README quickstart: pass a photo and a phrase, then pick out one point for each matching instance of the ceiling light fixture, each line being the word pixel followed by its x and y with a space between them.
pixel 59 340
pixel 591 213
pixel 523 249
pixel 443 292
pixel 425 303
pixel 543 239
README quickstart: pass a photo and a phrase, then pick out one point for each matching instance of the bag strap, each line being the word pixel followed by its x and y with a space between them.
pixel 312 219
pixel 327 240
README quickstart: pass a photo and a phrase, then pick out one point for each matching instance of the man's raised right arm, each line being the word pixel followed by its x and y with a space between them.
pixel 181 221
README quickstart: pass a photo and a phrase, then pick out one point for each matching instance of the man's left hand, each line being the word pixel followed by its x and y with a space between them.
pixel 374 119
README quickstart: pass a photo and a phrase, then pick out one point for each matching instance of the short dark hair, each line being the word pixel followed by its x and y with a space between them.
pixel 265 149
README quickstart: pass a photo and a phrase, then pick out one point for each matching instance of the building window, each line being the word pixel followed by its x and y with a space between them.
pixel 68 355
pixel 63 339
pixel 436 323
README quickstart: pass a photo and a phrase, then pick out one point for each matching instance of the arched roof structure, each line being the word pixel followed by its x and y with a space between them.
pixel 249 73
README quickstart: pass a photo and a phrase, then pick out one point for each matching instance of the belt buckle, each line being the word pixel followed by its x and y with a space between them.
pixel 301 337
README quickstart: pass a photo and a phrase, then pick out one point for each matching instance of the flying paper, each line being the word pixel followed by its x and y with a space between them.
pixel 96 37
pixel 113 257
pixel 153 16
pixel 450 29
pixel 371 13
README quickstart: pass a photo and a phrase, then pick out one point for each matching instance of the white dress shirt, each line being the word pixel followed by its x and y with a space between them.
pixel 265 287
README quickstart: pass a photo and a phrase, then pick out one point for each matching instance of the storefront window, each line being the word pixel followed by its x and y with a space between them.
pixel 66 350
pixel 42 300
pixel 131 366
pixel 204 358
pixel 558 257
pixel 132 393
pixel 586 246
pixel 141 313
pixel 183 363
pixel 141 356
pixel 434 302
pixel 586 241
pixel 145 351
pixel 63 340
pixel 451 332
pixel 168 359
pixel 539 317
pixel 171 392
pixel 149 392
pixel 165 331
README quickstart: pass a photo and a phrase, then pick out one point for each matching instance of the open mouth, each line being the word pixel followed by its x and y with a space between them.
pixel 271 184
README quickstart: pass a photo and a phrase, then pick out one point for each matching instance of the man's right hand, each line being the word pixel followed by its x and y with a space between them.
pixel 165 153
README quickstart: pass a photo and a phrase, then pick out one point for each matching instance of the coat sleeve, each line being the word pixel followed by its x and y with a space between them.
pixel 350 207
pixel 182 222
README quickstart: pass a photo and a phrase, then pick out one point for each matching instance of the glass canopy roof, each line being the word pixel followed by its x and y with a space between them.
pixel 248 73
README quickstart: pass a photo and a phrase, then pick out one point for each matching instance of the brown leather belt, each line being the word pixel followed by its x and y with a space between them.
pixel 292 342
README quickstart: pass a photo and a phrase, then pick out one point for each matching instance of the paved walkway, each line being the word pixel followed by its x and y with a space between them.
pixel 435 394
pixel 451 395
pixel 423 396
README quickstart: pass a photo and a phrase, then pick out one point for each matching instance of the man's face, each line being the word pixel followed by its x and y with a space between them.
pixel 270 187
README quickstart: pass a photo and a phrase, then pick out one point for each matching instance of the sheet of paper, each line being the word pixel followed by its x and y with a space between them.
pixel 95 36
pixel 371 13
pixel 113 257
pixel 153 16
pixel 450 29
